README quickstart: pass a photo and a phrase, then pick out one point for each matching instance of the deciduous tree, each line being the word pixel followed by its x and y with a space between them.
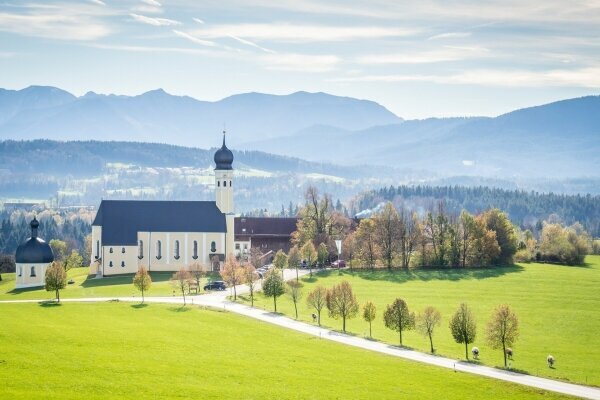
pixel 181 280
pixel 56 278
pixel 233 274
pixel 369 312
pixel 250 277
pixel 426 323
pixel 294 290
pixel 273 286
pixel 463 327
pixel 503 329
pixel 317 299
pixel 368 250
pixel 142 280
pixel 294 259
pixel 388 228
pixel 342 303
pixel 73 260
pixel 197 272
pixel 398 317
pixel 59 248
pixel 280 261
pixel 322 254
pixel 309 254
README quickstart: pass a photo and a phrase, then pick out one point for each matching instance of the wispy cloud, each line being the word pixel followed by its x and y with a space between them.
pixel 194 39
pixel 198 20
pixel 300 62
pixel 75 23
pixel 252 44
pixel 151 3
pixel 584 77
pixel 99 2
pixel 283 32
pixel 448 53
pixel 154 21
pixel 450 35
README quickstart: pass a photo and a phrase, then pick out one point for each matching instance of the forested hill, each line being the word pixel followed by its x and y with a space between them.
pixel 526 209
pixel 79 158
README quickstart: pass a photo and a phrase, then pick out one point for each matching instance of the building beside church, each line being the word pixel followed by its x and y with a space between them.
pixel 32 259
pixel 169 235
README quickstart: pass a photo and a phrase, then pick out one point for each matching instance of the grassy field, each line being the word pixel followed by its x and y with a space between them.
pixel 90 287
pixel 558 309
pixel 114 351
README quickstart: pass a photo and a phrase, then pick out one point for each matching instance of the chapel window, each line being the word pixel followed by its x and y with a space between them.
pixel 141 249
pixel 177 249
pixel 213 246
pixel 195 250
pixel 158 250
pixel 32 271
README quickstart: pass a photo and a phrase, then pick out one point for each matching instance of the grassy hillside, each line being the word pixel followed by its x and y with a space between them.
pixel 84 287
pixel 558 309
pixel 117 351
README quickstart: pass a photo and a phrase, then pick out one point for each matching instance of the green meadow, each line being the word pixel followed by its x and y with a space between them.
pixel 114 350
pixel 558 309
pixel 85 286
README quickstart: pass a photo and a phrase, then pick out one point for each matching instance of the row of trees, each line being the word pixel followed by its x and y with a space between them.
pixel 558 244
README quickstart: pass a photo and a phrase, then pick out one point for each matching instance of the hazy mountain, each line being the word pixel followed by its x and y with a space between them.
pixel 156 116
pixel 559 139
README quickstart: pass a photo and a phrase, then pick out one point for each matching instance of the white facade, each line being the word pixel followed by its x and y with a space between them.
pixel 30 275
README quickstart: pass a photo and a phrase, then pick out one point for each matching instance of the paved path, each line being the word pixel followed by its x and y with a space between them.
pixel 219 300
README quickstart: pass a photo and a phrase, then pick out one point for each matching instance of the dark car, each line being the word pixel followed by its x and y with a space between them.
pixel 215 285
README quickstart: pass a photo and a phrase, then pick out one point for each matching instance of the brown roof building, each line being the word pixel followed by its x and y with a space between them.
pixel 265 234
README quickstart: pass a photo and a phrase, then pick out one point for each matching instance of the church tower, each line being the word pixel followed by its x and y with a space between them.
pixel 224 179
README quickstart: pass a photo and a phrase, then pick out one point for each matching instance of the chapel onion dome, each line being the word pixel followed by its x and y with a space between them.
pixel 34 250
pixel 223 157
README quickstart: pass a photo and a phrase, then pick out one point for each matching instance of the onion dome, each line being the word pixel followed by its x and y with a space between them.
pixel 34 250
pixel 223 157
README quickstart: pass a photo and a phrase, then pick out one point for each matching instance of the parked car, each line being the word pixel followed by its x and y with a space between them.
pixel 339 264
pixel 215 285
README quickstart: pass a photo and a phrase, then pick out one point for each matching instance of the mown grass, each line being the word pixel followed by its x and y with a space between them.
pixel 88 286
pixel 558 308
pixel 115 350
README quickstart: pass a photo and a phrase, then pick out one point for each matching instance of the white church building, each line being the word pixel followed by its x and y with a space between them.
pixel 166 235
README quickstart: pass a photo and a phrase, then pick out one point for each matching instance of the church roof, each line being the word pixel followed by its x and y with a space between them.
pixel 121 220
pixel 223 156
pixel 34 250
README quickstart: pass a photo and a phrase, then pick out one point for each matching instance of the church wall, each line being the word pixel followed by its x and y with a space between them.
pixel 96 253
pixel 23 276
pixel 123 258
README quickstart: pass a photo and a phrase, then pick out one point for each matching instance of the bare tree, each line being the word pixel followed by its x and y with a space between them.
pixel 233 274
pixel 250 277
pixel 142 280
pixel 369 312
pixel 317 299
pixel 294 290
pixel 349 249
pixel 426 323
pixel 366 242
pixel 341 302
pixel 409 235
pixel 197 272
pixel 56 278
pixel 181 280
pixel 398 317
pixel 503 329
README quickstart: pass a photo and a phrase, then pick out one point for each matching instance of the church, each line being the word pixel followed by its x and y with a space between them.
pixel 170 235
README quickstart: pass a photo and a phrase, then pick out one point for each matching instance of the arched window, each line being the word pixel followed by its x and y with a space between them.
pixel 110 250
pixel 176 256
pixel 20 271
pixel 230 184
pixel 110 264
pixel 123 264
pixel 224 183
pixel 123 250
pixel 218 183
pixel 32 271
pixel 141 249
pixel 213 246
pixel 158 250
pixel 195 252
pixel 97 249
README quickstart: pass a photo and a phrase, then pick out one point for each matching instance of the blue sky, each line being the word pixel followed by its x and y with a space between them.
pixel 419 59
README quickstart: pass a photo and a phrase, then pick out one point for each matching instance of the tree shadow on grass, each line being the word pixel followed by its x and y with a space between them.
pixel 180 309
pixel 140 305
pixel 397 275
pixel 25 290
pixel 125 279
pixel 49 304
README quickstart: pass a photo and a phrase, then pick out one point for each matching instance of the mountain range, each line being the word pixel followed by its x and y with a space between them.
pixel 553 141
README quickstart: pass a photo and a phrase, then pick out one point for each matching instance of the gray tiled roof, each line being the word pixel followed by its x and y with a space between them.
pixel 121 220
